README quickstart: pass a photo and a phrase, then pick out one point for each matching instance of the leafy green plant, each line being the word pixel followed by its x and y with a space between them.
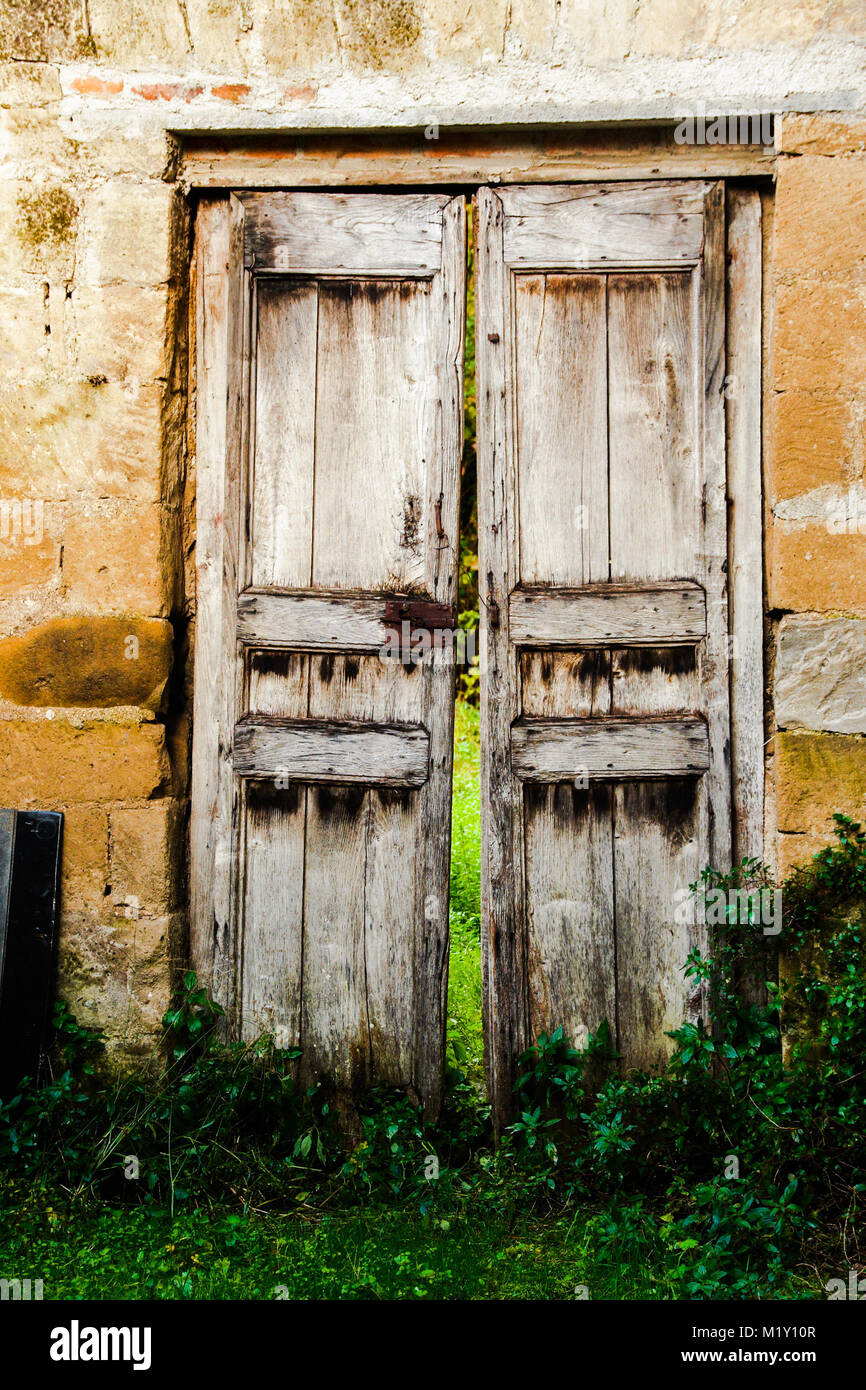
pixel 738 1164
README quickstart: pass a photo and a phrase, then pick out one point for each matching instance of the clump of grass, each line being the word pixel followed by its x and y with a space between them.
pixel 464 976
pixel 466 816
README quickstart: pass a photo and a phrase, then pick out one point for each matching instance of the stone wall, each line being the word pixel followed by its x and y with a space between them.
pixel 96 524
pixel 815 485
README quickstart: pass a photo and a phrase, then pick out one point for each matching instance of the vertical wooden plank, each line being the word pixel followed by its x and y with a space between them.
pixel 571 949
pixel 389 929
pixel 433 850
pixel 654 451
pixel 565 684
pixel 350 685
pixel 502 898
pixel 389 840
pixel 228 938
pixel 561 374
pixel 376 375
pixel 278 683
pixel 745 539
pixel 334 1021
pixel 655 680
pixel 282 470
pixel 657 854
pixel 714 653
pixel 273 911
pixel 220 356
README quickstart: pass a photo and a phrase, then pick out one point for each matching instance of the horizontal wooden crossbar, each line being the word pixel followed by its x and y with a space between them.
pixel 318 750
pixel 311 622
pixel 555 750
pixel 549 227
pixel 274 618
pixel 602 614
pixel 336 234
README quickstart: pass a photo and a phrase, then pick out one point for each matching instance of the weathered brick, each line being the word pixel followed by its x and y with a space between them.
pixel 127 234
pixel 115 562
pixel 44 218
pixel 820 336
pixel 79 438
pixel 296 37
pixel 139 34
pixel 28 84
pixel 119 331
pixel 115 974
pixel 49 763
pixel 84 875
pixel 149 153
pixel 820 219
pixel 816 775
pixel 810 441
pixel 32 138
pixel 814 571
pixel 24 343
pixel 94 85
pixel 795 850
pixel 146 855
pixel 820 675
pixel 88 662
pixel 44 32
pixel 29 559
pixel 820 134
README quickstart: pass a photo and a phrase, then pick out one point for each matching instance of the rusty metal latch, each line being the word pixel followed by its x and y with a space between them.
pixel 420 614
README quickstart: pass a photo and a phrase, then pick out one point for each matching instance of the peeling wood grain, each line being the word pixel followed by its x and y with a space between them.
pixel 561 421
pixel 344 234
pixel 657 854
pixel 602 614
pixel 318 750
pixel 471 156
pixel 745 542
pixel 548 750
pixel 602 224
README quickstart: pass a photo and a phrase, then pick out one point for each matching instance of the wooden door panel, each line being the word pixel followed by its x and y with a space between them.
pixel 562 436
pixel 659 849
pixel 321 906
pixel 376 383
pixel 273 910
pixel 602 560
pixel 571 958
pixel 655 458
pixel 285 433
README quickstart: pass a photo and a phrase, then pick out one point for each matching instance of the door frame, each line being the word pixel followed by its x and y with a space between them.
pixel 212 169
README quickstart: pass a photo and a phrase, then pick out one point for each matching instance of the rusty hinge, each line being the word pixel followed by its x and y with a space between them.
pixel 419 614
pixel 491 605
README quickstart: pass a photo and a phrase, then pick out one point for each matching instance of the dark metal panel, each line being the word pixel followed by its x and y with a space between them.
pixel 30 844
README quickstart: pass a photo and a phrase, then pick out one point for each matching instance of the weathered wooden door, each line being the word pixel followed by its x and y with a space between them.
pixel 332 328
pixel 605 734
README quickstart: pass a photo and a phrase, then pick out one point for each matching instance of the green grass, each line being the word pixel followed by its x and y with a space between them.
pixel 466 816
pixel 282 1220
pixel 376 1253
pixel 464 975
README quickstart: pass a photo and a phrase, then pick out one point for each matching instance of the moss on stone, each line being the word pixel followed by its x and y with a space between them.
pixel 47 218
